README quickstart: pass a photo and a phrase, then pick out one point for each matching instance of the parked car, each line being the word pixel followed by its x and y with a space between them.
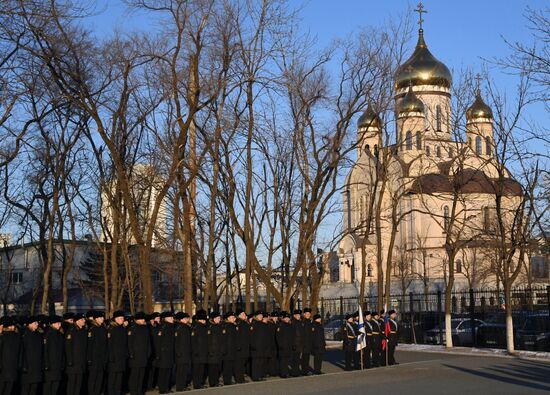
pixel 535 333
pixel 333 330
pixel 461 330
pixel 491 335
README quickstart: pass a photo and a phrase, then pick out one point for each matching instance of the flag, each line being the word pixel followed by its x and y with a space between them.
pixel 362 334
pixel 387 330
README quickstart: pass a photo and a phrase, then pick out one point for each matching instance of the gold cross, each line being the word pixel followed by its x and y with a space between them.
pixel 420 9
pixel 478 82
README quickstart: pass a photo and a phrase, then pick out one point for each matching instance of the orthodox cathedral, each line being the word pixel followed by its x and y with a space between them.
pixel 403 198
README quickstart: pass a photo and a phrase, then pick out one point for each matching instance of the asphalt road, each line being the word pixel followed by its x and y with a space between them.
pixel 417 373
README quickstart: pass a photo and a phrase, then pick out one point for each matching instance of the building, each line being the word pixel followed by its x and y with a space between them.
pixel 427 168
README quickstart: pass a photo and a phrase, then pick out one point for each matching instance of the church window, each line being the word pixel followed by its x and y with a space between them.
pixel 446 219
pixel 409 141
pixel 489 220
pixel 376 150
pixel 438 152
pixel 418 141
pixel 369 270
pixel 458 266
pixel 450 152
pixel 438 117
pixel 487 145
pixel 367 149
pixel 427 150
pixel 478 145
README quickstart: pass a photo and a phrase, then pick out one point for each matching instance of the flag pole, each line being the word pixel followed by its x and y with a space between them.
pixel 361 358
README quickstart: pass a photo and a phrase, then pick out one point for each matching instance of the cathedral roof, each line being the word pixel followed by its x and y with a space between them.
pixel 478 109
pixel 410 103
pixel 369 118
pixel 422 68
pixel 466 181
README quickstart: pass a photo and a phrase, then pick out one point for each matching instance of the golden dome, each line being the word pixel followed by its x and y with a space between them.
pixel 410 103
pixel 422 68
pixel 369 119
pixel 478 109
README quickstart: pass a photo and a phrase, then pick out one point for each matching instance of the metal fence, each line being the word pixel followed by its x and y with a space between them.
pixel 478 317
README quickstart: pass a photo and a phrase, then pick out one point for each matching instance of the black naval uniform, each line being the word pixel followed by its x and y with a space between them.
pixel 297 346
pixel 392 342
pixel 383 353
pixel 259 339
pixel 183 355
pixel 284 347
pixel 306 350
pixel 231 339
pixel 318 346
pixel 10 344
pixel 199 347
pixel 139 352
pixel 376 343
pixel 54 360
pixel 97 357
pixel 216 350
pixel 76 342
pixel 31 361
pixel 367 352
pixel 164 359
pixel 117 344
pixel 272 360
pixel 349 343
pixel 242 349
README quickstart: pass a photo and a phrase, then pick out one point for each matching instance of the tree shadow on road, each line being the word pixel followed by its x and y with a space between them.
pixel 522 374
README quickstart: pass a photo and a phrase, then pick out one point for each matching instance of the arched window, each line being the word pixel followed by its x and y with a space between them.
pixel 369 270
pixel 427 150
pixel 458 266
pixel 409 140
pixel 367 149
pixel 446 219
pixel 478 145
pixel 450 152
pixel 438 117
pixel 438 152
pixel 400 142
pixel 376 150
pixel 487 145
pixel 418 141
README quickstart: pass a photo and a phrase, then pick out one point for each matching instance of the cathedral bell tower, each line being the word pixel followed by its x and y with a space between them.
pixel 479 126
pixel 369 133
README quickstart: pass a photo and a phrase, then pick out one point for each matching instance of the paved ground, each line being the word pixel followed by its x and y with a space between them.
pixel 417 373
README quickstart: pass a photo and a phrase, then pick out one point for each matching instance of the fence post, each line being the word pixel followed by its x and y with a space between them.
pixel 472 316
pixel 548 297
pixel 411 311
pixel 342 308
pixel 439 313
pixel 323 309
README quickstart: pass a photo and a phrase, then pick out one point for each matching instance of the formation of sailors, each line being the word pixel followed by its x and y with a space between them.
pixel 88 354
pixel 381 340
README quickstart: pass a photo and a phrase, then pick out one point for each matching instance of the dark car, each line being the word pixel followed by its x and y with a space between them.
pixel 461 331
pixel 535 333
pixel 491 335
pixel 333 330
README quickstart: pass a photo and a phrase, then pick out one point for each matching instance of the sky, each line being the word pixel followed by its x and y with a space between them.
pixel 460 33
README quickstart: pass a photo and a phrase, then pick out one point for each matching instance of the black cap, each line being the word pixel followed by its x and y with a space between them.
pixel 284 314
pixel 238 312
pixel 118 313
pixel 179 315
pixel 166 314
pixel 356 314
pixel 348 316
pixel 214 314
pixel 307 310
pixel 375 313
pixel 316 316
pixel 201 315
pixel 382 312
pixel 7 321
pixel 68 316
pixel 90 314
pixel 249 316
pixel 229 314
pixel 274 314
pixel 31 319
pixel 140 315
pixel 367 313
pixel 256 313
pixel 391 312
pixel 297 311
pixel 78 316
pixel 154 315
pixel 98 314
pixel 54 319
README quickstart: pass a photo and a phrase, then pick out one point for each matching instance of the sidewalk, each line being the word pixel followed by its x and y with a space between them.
pixel 496 352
